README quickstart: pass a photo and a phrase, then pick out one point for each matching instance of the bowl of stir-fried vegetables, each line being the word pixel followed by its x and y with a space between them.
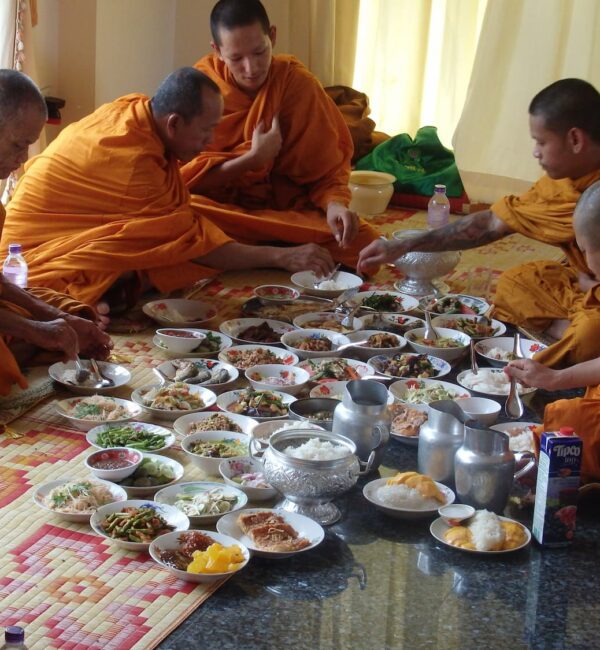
pixel 170 401
pixel 409 364
pixel 451 345
pixel 261 405
pixel 206 449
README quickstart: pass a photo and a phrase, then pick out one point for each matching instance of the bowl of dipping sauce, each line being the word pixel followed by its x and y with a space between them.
pixel 455 513
pixel 273 294
pixel 180 340
pixel 115 463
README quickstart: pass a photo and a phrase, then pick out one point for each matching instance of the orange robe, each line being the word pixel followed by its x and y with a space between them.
pixel 286 200
pixel 535 294
pixel 103 200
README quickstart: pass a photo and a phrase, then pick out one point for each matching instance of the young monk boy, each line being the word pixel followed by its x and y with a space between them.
pixel 564 121
pixel 279 163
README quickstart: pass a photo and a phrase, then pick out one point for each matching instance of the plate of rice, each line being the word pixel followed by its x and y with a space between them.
pixel 408 495
pixel 521 434
pixel 490 381
pixel 485 533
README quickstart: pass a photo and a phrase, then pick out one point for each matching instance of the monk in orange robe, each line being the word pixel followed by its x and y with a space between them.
pixel 34 320
pixel 106 200
pixel 279 163
pixel 562 299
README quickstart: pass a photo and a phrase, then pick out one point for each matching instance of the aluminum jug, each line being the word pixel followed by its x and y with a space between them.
pixel 439 439
pixel 484 468
pixel 363 417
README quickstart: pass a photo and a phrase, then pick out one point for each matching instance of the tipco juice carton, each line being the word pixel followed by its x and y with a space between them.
pixel 557 488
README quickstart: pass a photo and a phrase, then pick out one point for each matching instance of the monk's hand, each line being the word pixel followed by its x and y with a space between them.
pixel 308 257
pixel 266 145
pixel 53 335
pixel 586 281
pixel 92 341
pixel 531 373
pixel 343 223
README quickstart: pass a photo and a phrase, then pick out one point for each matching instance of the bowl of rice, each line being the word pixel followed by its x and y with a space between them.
pixel 491 382
pixel 263 431
pixel 306 280
pixel 418 498
pixel 498 351
pixel 521 434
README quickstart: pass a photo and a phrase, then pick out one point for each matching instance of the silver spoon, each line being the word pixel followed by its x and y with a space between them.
pixel 348 320
pixel 103 382
pixel 345 346
pixel 429 332
pixel 329 276
pixel 514 406
pixel 474 366
pixel 81 374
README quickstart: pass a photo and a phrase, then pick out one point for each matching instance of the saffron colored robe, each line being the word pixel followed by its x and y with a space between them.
pixel 286 200
pixel 535 294
pixel 103 200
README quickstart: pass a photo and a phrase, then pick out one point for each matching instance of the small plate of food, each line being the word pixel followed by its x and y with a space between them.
pixel 202 501
pixel 410 365
pixel 287 379
pixel 499 351
pixel 272 533
pixel 179 312
pixel 258 404
pixel 470 325
pixel 456 303
pixel 385 301
pixel 255 330
pixel 521 434
pixel 406 422
pixel 207 421
pixel 136 435
pixel 200 556
pixel 490 381
pixel 335 369
pixel 408 495
pixel 64 372
pixel 85 413
pixel 312 285
pixel 326 320
pixel 451 345
pixel 134 523
pixel 170 401
pixel 154 473
pixel 201 372
pixel 276 294
pixel 485 533
pixel 313 344
pixel 209 346
pixel 243 357
pixel 76 499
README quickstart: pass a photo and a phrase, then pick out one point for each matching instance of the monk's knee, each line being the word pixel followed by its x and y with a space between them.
pixel 585 334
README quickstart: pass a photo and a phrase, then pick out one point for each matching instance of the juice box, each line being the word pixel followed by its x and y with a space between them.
pixel 557 488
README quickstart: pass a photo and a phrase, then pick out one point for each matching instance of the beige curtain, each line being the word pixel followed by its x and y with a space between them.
pixel 414 60
pixel 524 46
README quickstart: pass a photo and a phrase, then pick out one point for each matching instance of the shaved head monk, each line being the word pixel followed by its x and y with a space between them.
pixel 560 299
pixel 103 212
pixel 29 323
pixel 279 163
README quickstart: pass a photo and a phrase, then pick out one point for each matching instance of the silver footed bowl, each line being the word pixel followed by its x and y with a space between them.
pixel 420 268
pixel 309 486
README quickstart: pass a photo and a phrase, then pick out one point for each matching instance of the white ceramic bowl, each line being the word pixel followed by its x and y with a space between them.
pixel 173 493
pixel 233 328
pixel 365 352
pixel 179 312
pixel 344 281
pixel 180 340
pixel 482 409
pixel 226 402
pixel 171 515
pixel 292 339
pixel 455 513
pixel 335 390
pixel 167 371
pixel 119 375
pixel 327 320
pixel 210 465
pixel 43 491
pixel 397 323
pixel 206 350
pixel 132 457
pixel 400 388
pixel 171 541
pixel 207 396
pixel 276 294
pixel 267 376
pixel 236 356
pixel 505 345
pixel 139 491
pixel 521 436
pixel 403 302
pixel 230 467
pixel 378 365
pixel 65 406
pixel 468 304
pixel 465 377
pixel 343 369
pixel 167 436
pixel 451 355
pixel 370 494
pixel 185 424
pixel 450 322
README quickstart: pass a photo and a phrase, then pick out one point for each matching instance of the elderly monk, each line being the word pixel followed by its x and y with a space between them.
pixel 105 202
pixel 564 121
pixel 48 321
pixel 279 163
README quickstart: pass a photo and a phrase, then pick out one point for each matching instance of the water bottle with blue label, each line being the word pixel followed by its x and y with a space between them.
pixel 14 268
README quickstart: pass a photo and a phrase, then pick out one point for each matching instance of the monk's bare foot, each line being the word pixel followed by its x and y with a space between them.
pixel 103 310
pixel 557 329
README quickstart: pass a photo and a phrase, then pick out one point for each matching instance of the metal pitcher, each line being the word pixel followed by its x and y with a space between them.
pixel 439 440
pixel 363 417
pixel 484 468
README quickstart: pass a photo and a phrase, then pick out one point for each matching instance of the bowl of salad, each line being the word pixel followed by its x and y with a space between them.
pixel 420 392
pixel 385 301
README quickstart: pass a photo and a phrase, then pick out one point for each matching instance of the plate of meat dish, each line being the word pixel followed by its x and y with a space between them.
pixel 272 533
pixel 255 330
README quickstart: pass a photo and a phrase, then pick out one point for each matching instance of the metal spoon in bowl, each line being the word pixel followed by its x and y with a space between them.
pixel 474 366
pixel 514 406
pixel 81 374
pixel 345 346
pixel 329 276
pixel 103 382
pixel 429 332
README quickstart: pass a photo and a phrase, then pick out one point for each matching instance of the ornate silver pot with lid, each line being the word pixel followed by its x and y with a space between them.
pixel 309 486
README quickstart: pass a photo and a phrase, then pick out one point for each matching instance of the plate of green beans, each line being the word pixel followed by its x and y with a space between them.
pixel 136 435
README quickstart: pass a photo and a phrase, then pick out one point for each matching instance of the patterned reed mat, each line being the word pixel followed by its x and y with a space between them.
pixel 73 590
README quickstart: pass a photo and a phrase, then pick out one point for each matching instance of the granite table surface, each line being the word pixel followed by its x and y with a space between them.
pixel 378 582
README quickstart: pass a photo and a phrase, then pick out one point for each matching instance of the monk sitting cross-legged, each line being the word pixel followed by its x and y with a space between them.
pixel 42 319
pixel 105 202
pixel 564 121
pixel 279 163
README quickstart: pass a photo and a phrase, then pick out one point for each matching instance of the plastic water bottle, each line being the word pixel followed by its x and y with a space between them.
pixel 438 208
pixel 14 268
pixel 14 638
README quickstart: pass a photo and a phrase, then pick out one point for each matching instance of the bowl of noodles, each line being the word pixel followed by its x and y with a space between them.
pixel 77 499
pixel 85 413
